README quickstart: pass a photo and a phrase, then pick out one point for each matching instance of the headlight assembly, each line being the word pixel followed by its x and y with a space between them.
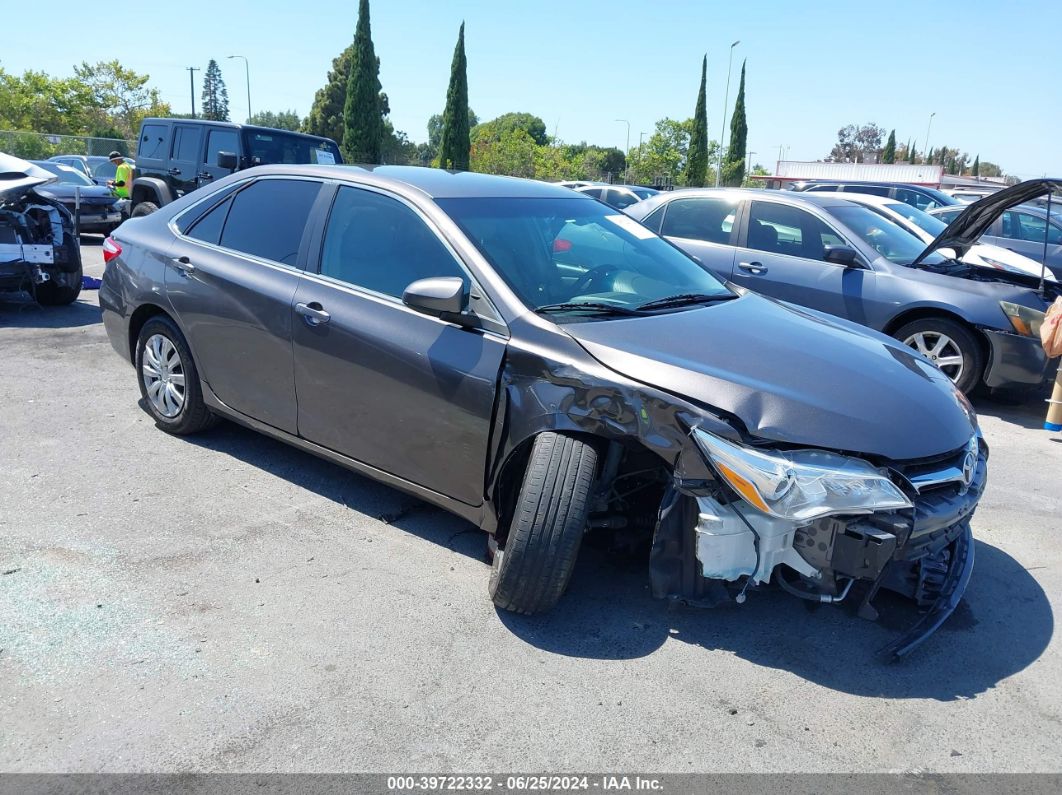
pixel 801 485
pixel 1026 321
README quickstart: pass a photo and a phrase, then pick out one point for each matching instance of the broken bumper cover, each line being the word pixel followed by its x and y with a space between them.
pixel 1015 361
pixel 703 550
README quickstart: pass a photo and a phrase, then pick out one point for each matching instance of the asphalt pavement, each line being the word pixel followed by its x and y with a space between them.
pixel 227 603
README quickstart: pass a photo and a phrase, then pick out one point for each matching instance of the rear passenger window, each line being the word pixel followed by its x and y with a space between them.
pixel 705 219
pixel 185 144
pixel 915 199
pixel 208 228
pixel 654 218
pixel 267 218
pixel 781 229
pixel 873 190
pixel 376 242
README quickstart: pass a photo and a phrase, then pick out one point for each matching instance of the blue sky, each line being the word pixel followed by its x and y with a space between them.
pixel 988 69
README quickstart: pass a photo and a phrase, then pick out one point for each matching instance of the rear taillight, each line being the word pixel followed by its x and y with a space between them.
pixel 111 249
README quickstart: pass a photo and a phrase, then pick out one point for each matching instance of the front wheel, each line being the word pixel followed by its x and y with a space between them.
pixel 169 381
pixel 532 570
pixel 949 345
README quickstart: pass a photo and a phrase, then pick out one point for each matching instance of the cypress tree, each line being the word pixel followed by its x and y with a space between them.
pixel 889 155
pixel 697 155
pixel 911 153
pixel 363 124
pixel 326 115
pixel 455 147
pixel 734 173
pixel 929 157
pixel 977 166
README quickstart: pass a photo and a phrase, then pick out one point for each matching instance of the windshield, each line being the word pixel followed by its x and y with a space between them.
pixel 561 251
pixel 889 239
pixel 924 221
pixel 67 175
pixel 264 147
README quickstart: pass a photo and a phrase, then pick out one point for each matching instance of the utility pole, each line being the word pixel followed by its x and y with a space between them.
pixel 247 70
pixel 191 82
pixel 748 165
pixel 627 153
pixel 726 98
pixel 928 128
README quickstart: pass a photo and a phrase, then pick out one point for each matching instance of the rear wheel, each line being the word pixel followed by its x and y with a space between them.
pixel 144 208
pixel 169 381
pixel 949 345
pixel 532 569
pixel 54 293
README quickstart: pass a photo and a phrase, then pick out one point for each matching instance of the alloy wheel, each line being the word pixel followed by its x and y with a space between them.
pixel 940 349
pixel 163 374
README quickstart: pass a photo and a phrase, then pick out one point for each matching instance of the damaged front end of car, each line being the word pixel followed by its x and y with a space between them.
pixel 39 252
pixel 817 523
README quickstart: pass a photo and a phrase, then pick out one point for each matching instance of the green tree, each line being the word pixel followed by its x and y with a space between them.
pixel 929 157
pixel 514 152
pixel 889 153
pixel 977 166
pixel 326 113
pixel 363 111
pixel 282 120
pixel 734 169
pixel 435 127
pixel 456 144
pixel 36 102
pixel 697 158
pixel 215 96
pixel 494 129
pixel 912 154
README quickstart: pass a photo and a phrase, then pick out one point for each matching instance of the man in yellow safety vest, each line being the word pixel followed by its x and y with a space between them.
pixel 123 178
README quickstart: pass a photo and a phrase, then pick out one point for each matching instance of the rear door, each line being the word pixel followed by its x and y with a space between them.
pixel 1024 233
pixel 782 256
pixel 231 279
pixel 186 150
pixel 404 392
pixel 704 227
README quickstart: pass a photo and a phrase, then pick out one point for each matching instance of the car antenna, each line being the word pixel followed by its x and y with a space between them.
pixel 1047 232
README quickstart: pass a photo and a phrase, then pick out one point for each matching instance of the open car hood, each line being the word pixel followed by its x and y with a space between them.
pixel 975 220
pixel 18 176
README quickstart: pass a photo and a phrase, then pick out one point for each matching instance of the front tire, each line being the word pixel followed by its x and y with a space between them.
pixel 144 208
pixel 532 570
pixel 50 293
pixel 948 344
pixel 169 380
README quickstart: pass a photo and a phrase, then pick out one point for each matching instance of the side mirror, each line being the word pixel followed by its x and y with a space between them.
pixel 842 255
pixel 442 296
pixel 227 160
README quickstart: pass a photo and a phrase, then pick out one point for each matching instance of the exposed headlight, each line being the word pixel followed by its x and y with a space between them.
pixel 801 485
pixel 1026 321
pixel 999 266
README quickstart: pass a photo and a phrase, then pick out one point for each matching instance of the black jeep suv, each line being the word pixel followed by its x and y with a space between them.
pixel 176 156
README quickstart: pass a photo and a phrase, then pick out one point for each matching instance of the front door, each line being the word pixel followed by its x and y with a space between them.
pixel 782 257
pixel 231 280
pixel 219 139
pixel 406 393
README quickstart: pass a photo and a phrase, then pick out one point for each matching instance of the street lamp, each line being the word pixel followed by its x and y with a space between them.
pixel 726 99
pixel 627 151
pixel 929 127
pixel 247 69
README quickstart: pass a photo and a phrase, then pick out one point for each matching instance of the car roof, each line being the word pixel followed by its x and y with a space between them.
pixel 435 183
pixel 781 196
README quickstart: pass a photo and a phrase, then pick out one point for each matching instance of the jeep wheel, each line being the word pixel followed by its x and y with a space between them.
pixel 532 570
pixel 144 208
pixel 169 381
pixel 949 345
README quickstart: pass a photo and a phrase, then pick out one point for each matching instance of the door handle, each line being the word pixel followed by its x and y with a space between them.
pixel 183 264
pixel 174 172
pixel 755 268
pixel 313 314
pixel 205 175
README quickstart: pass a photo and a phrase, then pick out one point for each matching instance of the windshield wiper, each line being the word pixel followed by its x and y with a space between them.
pixel 684 299
pixel 597 308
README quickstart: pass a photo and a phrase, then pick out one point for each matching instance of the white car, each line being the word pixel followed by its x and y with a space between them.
pixel 926 227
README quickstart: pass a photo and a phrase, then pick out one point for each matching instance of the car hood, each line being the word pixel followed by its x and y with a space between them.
pixel 791 376
pixel 58 190
pixel 975 220
pixel 18 176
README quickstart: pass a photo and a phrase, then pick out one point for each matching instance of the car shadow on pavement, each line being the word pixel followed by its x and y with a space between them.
pixel 21 311
pixel 1029 412
pixel 1002 626
pixel 347 488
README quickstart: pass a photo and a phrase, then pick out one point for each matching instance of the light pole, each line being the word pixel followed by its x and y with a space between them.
pixel 748 165
pixel 726 99
pixel 928 128
pixel 627 151
pixel 247 70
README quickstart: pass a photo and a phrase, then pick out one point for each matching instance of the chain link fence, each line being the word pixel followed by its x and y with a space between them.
pixel 41 146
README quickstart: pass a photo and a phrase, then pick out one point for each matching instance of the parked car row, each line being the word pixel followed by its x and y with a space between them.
pixel 540 364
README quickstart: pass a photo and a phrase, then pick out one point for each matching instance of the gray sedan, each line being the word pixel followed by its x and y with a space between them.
pixel 1022 229
pixel 826 253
